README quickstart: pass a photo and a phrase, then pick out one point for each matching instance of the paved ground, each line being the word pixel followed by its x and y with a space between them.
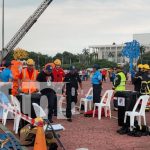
pixel 98 135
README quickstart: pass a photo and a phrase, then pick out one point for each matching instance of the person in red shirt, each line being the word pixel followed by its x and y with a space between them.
pixel 58 74
pixel 104 73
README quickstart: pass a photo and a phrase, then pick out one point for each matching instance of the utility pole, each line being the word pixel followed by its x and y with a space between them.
pixel 2 28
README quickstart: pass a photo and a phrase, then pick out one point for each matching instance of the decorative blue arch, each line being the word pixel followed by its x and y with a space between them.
pixel 131 50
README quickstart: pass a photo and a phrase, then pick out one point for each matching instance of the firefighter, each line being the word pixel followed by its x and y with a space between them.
pixel 138 79
pixel 28 78
pixel 58 74
pixel 145 80
pixel 70 90
pixel 119 84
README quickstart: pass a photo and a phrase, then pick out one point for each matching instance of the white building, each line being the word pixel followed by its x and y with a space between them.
pixel 109 52
pixel 143 39
pixel 113 52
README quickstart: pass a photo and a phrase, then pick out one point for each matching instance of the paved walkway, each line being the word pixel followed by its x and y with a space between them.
pixel 98 135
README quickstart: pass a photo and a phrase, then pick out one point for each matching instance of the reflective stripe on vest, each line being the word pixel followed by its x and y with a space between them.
pixel 121 86
pixel 145 89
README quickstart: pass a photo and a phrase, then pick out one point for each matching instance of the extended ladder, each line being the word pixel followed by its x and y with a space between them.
pixel 24 29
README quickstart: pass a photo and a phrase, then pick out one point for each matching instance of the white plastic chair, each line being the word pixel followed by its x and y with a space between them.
pixel 39 111
pixel 105 103
pixel 87 100
pixel 15 105
pixel 141 113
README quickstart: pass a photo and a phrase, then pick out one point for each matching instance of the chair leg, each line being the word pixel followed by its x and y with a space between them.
pixel 105 110
pixel 131 122
pixel 17 121
pixel 139 120
pixel 99 112
pixel 4 117
pixel 80 106
pixel 94 111
pixel 85 106
pixel 109 112
pixel 125 118
pixel 144 120
pixel 90 105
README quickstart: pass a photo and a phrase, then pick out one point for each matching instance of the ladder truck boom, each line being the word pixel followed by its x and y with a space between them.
pixel 24 29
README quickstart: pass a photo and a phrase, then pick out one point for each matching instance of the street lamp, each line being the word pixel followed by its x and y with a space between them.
pixel 2 24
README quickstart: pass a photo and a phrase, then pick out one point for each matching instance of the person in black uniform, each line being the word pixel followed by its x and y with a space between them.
pixel 138 79
pixel 46 78
pixel 70 90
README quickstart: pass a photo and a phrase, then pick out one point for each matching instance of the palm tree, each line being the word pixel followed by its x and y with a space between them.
pixel 142 51
pixel 86 55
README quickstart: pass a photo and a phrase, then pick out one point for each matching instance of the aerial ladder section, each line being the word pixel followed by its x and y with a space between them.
pixel 24 29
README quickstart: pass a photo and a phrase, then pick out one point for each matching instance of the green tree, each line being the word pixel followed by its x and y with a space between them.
pixel 142 51
pixel 145 58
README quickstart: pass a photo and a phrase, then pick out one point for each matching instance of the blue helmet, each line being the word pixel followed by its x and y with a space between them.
pixel 96 66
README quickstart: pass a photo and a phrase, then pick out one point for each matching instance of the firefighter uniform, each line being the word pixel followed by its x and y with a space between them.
pixel 58 74
pixel 138 79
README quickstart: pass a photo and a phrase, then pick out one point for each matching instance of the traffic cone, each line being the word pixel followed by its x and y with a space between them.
pixel 40 141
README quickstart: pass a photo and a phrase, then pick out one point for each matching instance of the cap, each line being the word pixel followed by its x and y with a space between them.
pixel 49 68
pixel 96 66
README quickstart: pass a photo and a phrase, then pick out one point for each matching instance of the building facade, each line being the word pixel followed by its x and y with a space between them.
pixel 109 52
pixel 144 40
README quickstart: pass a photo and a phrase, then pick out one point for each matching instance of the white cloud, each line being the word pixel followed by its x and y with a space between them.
pixel 74 24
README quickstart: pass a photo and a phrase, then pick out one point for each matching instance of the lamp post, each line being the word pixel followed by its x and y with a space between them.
pixel 2 33
pixel 2 24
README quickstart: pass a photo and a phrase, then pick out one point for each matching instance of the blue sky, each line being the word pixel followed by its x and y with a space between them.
pixel 71 25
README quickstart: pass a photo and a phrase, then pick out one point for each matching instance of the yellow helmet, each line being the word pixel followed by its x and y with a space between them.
pixel 30 62
pixel 146 66
pixel 57 62
pixel 140 66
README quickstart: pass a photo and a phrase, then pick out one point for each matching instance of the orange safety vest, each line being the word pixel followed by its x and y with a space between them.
pixel 16 69
pixel 29 85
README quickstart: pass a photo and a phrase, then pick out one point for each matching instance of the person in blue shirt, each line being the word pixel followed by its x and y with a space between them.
pixel 97 84
pixel 6 74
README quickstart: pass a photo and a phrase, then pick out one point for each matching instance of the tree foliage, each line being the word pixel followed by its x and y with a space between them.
pixel 145 58
pixel 80 60
pixel 20 53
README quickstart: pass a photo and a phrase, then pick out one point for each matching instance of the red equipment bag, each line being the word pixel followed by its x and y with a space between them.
pixel 90 113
